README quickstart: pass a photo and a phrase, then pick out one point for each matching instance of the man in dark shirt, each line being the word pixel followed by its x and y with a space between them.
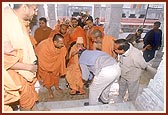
pixel 152 42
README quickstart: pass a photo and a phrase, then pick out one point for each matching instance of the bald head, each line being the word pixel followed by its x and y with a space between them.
pixel 63 28
pixel 17 6
pixel 97 33
pixel 25 11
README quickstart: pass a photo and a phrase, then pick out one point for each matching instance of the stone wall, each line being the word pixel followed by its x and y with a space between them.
pixel 152 97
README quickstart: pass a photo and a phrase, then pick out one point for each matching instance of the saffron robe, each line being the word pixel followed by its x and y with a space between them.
pixel 42 33
pixel 19 41
pixel 74 75
pixel 108 45
pixel 51 62
pixel 88 36
pixel 74 33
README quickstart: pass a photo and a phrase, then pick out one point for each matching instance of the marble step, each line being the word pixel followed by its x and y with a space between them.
pixel 61 104
pixel 77 106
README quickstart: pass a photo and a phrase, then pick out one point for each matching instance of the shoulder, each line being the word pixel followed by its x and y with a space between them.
pixel 38 29
pixel 150 31
pixel 160 30
pixel 49 28
pixel 109 37
pixel 44 42
pixel 43 46
pixel 136 52
pixel 64 49
pixel 80 28
pixel 130 35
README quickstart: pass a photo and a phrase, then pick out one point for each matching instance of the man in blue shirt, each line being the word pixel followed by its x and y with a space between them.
pixel 152 42
pixel 104 71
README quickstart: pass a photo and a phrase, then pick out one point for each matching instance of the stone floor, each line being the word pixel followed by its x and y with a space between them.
pixel 77 106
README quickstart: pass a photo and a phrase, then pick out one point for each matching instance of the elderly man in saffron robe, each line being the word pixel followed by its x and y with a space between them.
pixel 74 75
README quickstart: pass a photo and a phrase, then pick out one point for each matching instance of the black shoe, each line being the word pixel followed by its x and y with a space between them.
pixel 15 107
pixel 67 85
pixel 102 101
pixel 87 85
pixel 86 104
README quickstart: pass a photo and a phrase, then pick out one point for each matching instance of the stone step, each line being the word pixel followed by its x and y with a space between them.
pixel 127 106
pixel 61 104
pixel 77 106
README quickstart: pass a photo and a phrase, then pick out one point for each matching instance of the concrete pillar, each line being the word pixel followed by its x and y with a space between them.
pixel 97 10
pixel 62 9
pixel 112 18
pixel 51 15
pixel 162 27
pixel 40 13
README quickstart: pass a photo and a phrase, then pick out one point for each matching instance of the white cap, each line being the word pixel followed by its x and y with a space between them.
pixel 79 40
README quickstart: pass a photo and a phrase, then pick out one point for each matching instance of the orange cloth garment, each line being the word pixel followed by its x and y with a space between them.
pixel 28 96
pixel 18 48
pixel 52 33
pixel 51 63
pixel 11 91
pixel 57 27
pixel 42 34
pixel 7 108
pixel 88 36
pixel 77 32
pixel 108 45
pixel 33 41
pixel 74 76
pixel 19 40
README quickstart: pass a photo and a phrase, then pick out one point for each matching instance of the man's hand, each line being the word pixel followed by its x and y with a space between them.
pixel 32 68
pixel 149 47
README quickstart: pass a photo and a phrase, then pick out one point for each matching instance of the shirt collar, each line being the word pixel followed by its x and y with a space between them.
pixel 127 52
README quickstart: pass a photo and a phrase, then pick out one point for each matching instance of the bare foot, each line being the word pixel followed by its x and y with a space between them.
pixel 51 95
pixel 59 90
pixel 72 92
pixel 81 91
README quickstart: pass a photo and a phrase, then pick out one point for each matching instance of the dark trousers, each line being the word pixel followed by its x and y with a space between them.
pixel 149 55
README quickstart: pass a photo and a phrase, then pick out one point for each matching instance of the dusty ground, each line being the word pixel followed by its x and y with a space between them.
pixel 43 93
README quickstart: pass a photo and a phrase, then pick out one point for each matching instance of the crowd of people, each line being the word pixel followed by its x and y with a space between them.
pixel 76 49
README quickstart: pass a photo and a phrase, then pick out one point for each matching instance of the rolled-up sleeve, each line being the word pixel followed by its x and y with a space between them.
pixel 85 72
